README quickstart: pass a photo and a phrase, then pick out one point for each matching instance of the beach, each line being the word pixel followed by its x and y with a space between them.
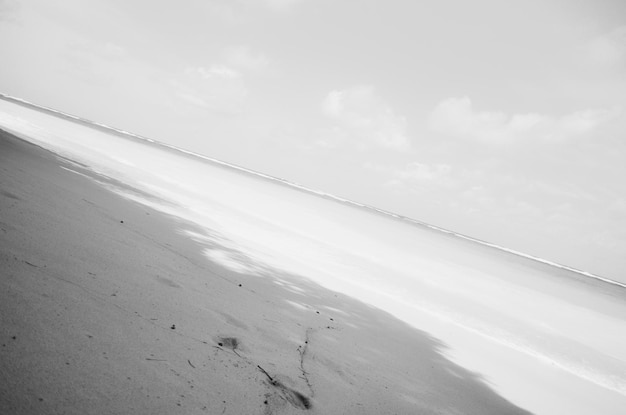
pixel 107 308
pixel 285 206
pixel 183 268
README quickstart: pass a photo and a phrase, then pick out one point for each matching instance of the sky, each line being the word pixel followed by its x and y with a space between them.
pixel 504 121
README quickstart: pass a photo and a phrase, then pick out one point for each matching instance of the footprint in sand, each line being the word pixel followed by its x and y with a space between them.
pixel 281 391
pixel 285 393
pixel 231 343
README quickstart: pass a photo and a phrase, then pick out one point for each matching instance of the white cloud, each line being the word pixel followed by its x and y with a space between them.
pixel 243 59
pixel 281 4
pixel 219 71
pixel 365 119
pixel 96 63
pixel 415 176
pixel 457 117
pixel 585 121
pixel 241 12
pixel 608 49
pixel 8 10
pixel 220 86
pixel 423 172
pixel 191 98
pixel 618 208
pixel 333 105
pixel 114 51
pixel 217 88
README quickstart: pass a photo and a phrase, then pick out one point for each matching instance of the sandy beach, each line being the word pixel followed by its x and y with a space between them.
pixel 106 307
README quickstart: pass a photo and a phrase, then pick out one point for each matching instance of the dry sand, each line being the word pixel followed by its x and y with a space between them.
pixel 106 308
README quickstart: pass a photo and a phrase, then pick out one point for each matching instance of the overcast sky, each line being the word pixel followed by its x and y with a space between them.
pixel 503 120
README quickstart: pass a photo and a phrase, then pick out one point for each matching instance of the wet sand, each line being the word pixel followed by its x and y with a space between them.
pixel 106 307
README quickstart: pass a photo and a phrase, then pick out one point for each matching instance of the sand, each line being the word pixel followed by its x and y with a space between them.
pixel 105 307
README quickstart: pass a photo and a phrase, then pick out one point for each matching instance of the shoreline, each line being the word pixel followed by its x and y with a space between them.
pixel 114 309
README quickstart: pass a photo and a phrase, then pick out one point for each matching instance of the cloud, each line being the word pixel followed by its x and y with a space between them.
pixel 422 178
pixel 618 207
pixel 582 122
pixel 420 172
pixel 216 88
pixel 242 12
pixel 609 49
pixel 113 51
pixel 94 62
pixel 457 117
pixel 362 117
pixel 220 86
pixel 242 58
pixel 281 4
pixel 8 10
pixel 415 176
pixel 216 71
